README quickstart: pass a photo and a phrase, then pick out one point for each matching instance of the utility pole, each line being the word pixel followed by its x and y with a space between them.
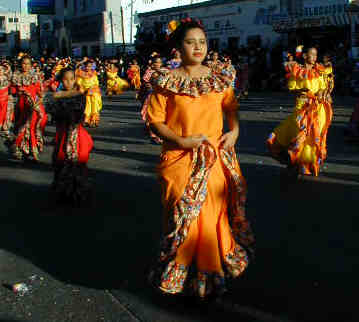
pixel 112 33
pixel 131 24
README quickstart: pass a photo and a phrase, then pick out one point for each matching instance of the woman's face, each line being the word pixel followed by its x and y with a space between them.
pixel 194 47
pixel 26 65
pixel 88 67
pixel 311 56
pixel 68 80
pixel 177 54
pixel 157 64
pixel 326 59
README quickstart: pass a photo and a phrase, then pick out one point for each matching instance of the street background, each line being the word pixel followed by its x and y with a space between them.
pixel 89 264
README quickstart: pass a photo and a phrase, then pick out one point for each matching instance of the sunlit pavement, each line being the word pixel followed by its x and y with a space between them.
pixel 89 264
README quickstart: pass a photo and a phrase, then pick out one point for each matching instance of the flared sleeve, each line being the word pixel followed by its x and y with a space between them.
pixel 157 108
pixel 229 102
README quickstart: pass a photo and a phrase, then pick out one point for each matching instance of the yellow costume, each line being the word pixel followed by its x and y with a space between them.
pixel 303 134
pixel 115 84
pixel 88 81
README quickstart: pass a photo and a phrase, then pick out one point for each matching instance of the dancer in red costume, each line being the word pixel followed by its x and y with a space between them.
pixel 31 117
pixel 6 101
pixel 73 143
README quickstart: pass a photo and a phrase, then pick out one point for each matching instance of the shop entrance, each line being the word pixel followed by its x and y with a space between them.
pixel 327 39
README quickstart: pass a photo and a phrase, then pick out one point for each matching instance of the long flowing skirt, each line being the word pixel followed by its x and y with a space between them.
pixel 116 86
pixel 301 139
pixel 93 109
pixel 206 234
pixel 6 113
pixel 70 158
pixel 28 139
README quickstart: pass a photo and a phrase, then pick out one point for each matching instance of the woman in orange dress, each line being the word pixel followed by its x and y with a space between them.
pixel 134 74
pixel 206 236
pixel 300 141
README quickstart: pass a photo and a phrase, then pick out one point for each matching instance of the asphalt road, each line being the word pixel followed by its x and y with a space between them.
pixel 89 264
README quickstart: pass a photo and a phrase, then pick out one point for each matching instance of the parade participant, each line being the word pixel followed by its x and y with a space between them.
pixel 244 77
pixel 206 234
pixel 115 84
pixel 88 81
pixel 6 101
pixel 31 117
pixel 134 75
pixel 176 61
pixel 300 140
pixel 153 71
pixel 73 143
pixel 214 63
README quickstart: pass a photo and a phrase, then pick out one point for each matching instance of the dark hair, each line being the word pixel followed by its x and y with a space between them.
pixel 155 57
pixel 176 38
pixel 64 71
pixel 25 57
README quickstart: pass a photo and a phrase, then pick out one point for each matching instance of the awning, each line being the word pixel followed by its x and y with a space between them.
pixel 291 24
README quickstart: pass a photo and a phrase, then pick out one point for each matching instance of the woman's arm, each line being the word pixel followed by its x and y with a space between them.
pixel 190 142
pixel 67 94
pixel 229 139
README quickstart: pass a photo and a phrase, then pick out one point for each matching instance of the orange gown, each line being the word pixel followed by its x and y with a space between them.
pixel 136 76
pixel 206 234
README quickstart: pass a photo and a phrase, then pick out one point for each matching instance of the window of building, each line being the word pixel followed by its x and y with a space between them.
pixel 2 22
pixel 16 19
pixel 11 19
pixel 65 4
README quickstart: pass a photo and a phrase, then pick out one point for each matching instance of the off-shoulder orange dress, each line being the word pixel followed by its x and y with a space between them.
pixel 206 233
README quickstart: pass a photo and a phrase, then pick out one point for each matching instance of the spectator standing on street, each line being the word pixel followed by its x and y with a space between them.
pixel 300 140
pixel 206 234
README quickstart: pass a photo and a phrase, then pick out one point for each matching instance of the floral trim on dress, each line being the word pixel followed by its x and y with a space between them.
pixel 5 80
pixel 25 148
pixel 215 81
pixel 299 72
pixel 21 79
pixel 174 278
pixel 9 118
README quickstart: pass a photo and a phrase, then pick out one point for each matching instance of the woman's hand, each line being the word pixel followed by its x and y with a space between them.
pixel 229 139
pixel 191 142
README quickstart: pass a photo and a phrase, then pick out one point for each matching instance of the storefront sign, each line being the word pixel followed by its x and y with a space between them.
pixel 41 7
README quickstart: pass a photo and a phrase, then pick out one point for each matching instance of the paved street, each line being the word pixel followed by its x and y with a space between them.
pixel 89 264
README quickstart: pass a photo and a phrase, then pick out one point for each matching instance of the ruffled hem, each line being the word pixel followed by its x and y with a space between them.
pixel 181 279
pixel 71 184
pixel 217 81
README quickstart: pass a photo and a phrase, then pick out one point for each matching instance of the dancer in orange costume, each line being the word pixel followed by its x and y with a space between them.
pixel 301 140
pixel 134 74
pixel 206 234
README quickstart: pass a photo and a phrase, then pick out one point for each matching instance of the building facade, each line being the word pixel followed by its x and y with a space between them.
pixel 88 27
pixel 323 23
pixel 229 23
pixel 18 33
